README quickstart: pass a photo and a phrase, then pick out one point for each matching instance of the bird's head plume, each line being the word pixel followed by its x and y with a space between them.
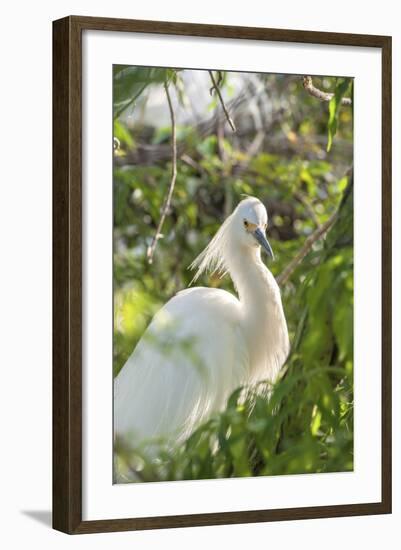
pixel 243 229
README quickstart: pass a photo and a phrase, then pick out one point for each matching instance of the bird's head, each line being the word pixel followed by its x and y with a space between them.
pixel 249 224
pixel 243 230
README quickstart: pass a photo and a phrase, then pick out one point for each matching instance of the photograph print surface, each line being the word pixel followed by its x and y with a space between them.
pixel 233 274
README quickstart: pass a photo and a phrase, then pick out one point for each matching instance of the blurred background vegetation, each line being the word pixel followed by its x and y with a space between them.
pixel 292 151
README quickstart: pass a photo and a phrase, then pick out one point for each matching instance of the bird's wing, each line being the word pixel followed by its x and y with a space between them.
pixel 191 357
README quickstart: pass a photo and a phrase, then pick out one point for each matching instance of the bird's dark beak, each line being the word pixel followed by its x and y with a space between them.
pixel 264 243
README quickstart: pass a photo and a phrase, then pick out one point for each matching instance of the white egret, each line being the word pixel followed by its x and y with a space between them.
pixel 205 342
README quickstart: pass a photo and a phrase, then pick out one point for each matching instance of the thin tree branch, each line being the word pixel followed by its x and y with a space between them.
pixel 308 206
pixel 319 94
pixel 217 89
pixel 167 201
pixel 315 236
pixel 130 102
pixel 226 168
pixel 219 81
pixel 256 144
pixel 194 164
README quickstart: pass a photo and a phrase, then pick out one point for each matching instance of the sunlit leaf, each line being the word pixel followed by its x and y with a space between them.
pixel 334 107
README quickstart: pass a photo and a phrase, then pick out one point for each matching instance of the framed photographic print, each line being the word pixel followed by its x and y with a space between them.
pixel 221 274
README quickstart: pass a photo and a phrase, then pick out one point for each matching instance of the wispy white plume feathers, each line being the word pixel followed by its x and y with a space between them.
pixel 211 260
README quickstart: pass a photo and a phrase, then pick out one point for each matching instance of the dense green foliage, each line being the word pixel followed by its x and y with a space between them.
pixel 306 424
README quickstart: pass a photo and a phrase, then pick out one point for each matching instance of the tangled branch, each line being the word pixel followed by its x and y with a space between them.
pixel 217 90
pixel 319 94
pixel 166 205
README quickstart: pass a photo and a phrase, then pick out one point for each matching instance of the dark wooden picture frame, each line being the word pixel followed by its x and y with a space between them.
pixel 67 274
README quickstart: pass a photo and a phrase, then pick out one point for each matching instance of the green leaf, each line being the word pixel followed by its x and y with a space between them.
pixel 122 134
pixel 316 421
pixel 130 82
pixel 334 107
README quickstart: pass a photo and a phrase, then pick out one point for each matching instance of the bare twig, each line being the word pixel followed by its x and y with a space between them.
pixel 315 236
pixel 226 168
pixel 219 81
pixel 217 89
pixel 319 94
pixel 167 201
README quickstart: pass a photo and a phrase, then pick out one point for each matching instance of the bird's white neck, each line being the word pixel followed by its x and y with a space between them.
pixel 262 313
pixel 253 281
